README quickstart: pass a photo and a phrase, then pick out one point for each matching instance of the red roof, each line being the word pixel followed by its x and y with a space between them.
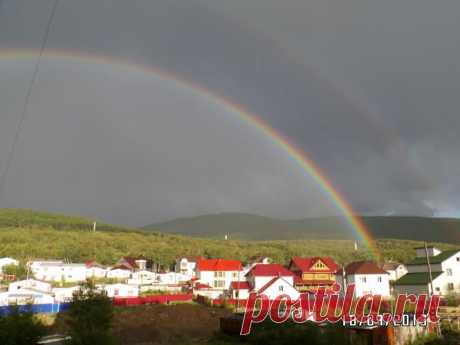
pixel 305 265
pixel 269 270
pixel 271 282
pixel 240 286
pixel 364 267
pixel 219 265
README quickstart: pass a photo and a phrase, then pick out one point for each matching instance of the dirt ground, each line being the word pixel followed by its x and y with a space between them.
pixel 167 324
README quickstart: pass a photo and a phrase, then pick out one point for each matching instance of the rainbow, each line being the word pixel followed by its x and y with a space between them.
pixel 253 120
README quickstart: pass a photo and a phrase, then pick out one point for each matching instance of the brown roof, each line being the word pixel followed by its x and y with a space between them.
pixel 364 267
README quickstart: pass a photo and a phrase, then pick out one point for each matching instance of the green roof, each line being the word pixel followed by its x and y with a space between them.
pixel 421 278
pixel 434 259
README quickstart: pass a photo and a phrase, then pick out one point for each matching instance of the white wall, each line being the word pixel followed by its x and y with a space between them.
pixel 65 294
pixel 451 269
pixel 207 277
pixel 121 290
pixel 186 267
pixel 280 287
pixel 29 284
pixel 51 271
pixel 96 272
pixel 25 296
pixel 119 274
pixel 374 284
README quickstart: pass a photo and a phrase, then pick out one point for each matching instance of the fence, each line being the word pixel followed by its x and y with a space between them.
pixel 36 308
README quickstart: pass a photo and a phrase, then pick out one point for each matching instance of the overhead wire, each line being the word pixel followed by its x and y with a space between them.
pixel 19 128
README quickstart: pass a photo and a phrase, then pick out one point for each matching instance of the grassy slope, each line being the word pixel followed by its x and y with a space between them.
pixel 252 227
pixel 41 235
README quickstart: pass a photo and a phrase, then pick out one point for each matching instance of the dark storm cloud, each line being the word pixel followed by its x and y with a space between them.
pixel 368 89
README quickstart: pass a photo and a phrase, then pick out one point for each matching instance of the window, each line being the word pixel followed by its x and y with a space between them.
pixel 437 289
pixel 450 286
pixel 280 288
pixel 235 274
pixel 219 283
pixel 363 279
pixel 458 258
pixel 449 272
pixel 379 279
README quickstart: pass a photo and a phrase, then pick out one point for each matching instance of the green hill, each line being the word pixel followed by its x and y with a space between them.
pixel 253 227
pixel 31 218
pixel 26 234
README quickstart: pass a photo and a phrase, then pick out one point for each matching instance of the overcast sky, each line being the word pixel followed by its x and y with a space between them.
pixel 368 88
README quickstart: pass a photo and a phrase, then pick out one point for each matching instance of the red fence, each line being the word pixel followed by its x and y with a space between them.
pixel 153 299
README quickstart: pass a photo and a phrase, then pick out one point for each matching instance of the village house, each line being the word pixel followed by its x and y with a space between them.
pixel 271 280
pixel 368 279
pixel 28 291
pixel 311 273
pixel 133 264
pixel 95 270
pixel 64 295
pixel 26 296
pixel 120 272
pixel 58 271
pixel 30 284
pixel 279 286
pixel 217 274
pixel 395 269
pixel 186 265
pixel 120 290
pixel 445 273
pixel 239 290
pixel 142 278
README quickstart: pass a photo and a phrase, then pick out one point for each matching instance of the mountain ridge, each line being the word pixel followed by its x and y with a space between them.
pixel 248 226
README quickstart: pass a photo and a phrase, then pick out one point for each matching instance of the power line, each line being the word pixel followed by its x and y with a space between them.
pixel 10 156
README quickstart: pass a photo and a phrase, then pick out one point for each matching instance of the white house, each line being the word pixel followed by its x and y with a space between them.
pixel 260 274
pixel 25 296
pixel 271 280
pixel 95 270
pixel 58 271
pixel 120 290
pixel 7 262
pixel 239 290
pixel 63 295
pixel 142 278
pixel 368 279
pixel 186 265
pixel 119 272
pixel 218 274
pixel 445 273
pixel 395 269
pixel 279 286
pixel 30 284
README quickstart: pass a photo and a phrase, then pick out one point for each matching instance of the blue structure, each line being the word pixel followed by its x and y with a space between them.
pixel 36 308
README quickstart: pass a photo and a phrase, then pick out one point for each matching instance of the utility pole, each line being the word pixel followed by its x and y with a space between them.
pixel 438 329
pixel 429 268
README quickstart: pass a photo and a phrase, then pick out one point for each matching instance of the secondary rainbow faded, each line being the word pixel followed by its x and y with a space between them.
pixel 294 152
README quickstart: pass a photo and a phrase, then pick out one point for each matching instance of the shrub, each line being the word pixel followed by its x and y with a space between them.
pixel 20 328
